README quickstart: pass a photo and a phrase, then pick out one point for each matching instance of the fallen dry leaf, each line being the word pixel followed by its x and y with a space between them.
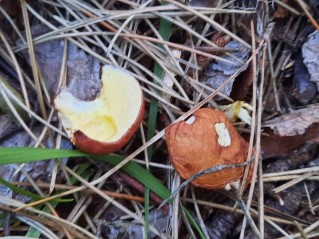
pixel 294 123
pixel 310 53
pixel 83 71
pixel 291 131
pixel 303 89
pixel 282 146
pixel 219 71
pixel 242 84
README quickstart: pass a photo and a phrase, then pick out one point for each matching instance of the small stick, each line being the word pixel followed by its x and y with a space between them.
pixel 68 187
pixel 206 171
pixel 292 182
pixel 304 8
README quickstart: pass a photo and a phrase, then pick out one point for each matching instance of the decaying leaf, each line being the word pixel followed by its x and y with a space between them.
pixel 303 89
pixel 274 145
pixel 219 71
pixel 4 84
pixel 113 228
pixel 83 74
pixel 289 132
pixel 310 53
pixel 294 123
pixel 83 71
pixel 40 170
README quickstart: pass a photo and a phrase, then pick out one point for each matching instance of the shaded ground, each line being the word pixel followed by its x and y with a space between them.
pixel 263 54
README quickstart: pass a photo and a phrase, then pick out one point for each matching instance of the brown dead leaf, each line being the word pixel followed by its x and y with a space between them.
pixel 282 11
pixel 294 123
pixel 289 132
pixel 10 7
pixel 274 145
pixel 242 84
pixel 216 73
pixel 310 53
pixel 83 71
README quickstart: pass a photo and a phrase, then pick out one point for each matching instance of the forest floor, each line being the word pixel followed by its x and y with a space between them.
pixel 257 61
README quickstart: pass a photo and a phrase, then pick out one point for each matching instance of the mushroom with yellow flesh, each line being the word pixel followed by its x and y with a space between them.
pixel 108 122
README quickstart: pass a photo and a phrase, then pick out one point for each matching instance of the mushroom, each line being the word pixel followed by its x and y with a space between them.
pixel 205 140
pixel 108 122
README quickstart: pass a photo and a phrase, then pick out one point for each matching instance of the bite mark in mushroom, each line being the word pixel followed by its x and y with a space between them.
pixel 108 122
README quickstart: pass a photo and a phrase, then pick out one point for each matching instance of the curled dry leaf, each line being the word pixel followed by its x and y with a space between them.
pixel 205 140
pixel 303 89
pixel 294 123
pixel 290 132
pixel 219 71
pixel 310 53
pixel 83 70
pixel 107 123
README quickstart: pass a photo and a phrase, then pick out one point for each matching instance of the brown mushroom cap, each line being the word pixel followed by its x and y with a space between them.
pixel 204 141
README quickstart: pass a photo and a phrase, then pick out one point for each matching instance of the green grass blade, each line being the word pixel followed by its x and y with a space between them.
pixel 193 223
pixel 165 32
pixel 140 174
pixel 24 155
pixel 33 232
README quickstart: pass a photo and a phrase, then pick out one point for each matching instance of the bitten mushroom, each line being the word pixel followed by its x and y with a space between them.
pixel 205 140
pixel 107 123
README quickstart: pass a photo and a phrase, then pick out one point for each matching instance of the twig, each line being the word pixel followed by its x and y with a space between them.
pixel 206 171
pixel 249 219
pixel 292 172
pixel 286 6
pixel 253 180
pixel 301 230
pixel 210 21
pixel 236 210
pixel 304 8
pixel 199 216
pixel 35 73
pixel 261 205
pixel 311 208
pixel 292 182
pixel 89 191
pixel 18 70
